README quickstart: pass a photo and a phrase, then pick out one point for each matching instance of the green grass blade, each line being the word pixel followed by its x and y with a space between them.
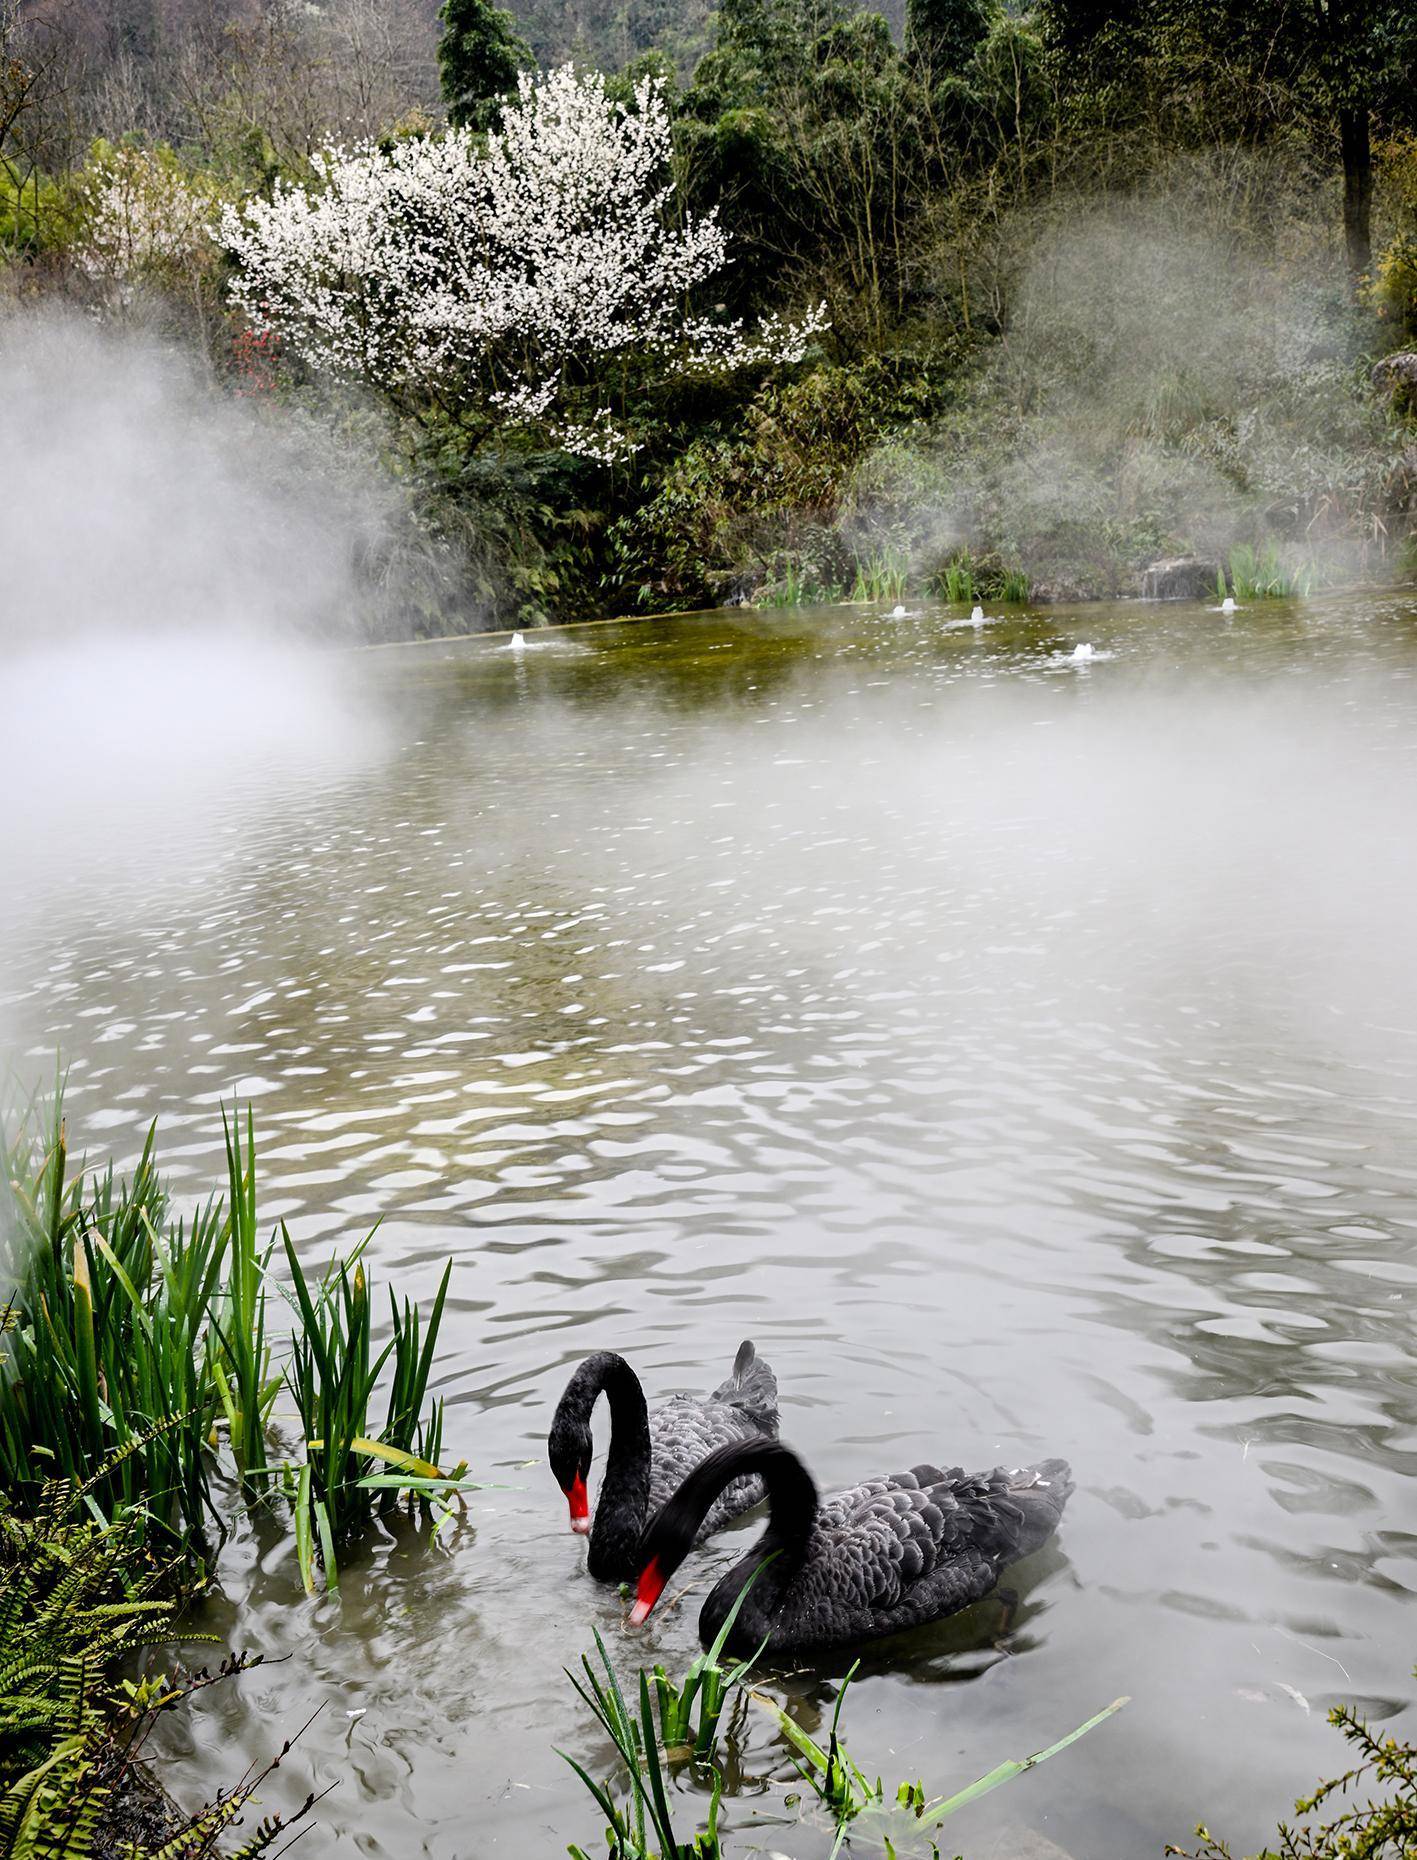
pixel 304 1545
pixel 793 1732
pixel 662 1815
pixel 327 1544
pixel 1005 1772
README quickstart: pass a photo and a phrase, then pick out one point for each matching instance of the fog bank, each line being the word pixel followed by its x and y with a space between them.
pixel 175 572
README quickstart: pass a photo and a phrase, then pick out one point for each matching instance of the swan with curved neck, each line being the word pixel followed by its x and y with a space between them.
pixel 888 1554
pixel 651 1454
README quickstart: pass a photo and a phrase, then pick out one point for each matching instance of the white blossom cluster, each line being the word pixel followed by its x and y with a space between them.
pixel 144 218
pixel 512 268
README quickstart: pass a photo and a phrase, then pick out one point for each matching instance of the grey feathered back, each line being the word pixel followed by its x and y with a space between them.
pixel 689 1427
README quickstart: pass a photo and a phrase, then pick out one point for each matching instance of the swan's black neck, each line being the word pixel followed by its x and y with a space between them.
pixel 623 1502
pixel 775 1558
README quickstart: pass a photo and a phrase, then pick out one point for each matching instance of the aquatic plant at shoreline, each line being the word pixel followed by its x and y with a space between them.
pixel 955 581
pixel 1260 574
pixel 646 1812
pixel 76 1598
pixel 646 1747
pixel 880 576
pixel 332 1375
pixel 247 1387
pixel 108 1347
pixel 640 1825
pixel 134 1341
pixel 797 586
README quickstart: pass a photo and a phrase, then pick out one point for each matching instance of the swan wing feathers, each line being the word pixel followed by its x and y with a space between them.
pixel 682 1434
pixel 926 1541
pixel 687 1428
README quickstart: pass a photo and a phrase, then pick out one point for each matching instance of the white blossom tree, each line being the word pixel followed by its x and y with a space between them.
pixel 146 220
pixel 508 271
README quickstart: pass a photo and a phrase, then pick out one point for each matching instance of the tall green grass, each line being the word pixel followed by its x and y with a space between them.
pixel 880 576
pixel 1260 574
pixel 351 1468
pixel 110 1344
pixel 797 586
pixel 242 1368
pixel 955 581
pixel 648 1747
pixel 142 1342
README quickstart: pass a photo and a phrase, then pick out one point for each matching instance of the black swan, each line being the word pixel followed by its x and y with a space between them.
pixel 884 1555
pixel 652 1454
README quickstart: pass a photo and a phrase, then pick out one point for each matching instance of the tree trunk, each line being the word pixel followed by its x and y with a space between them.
pixel 1357 188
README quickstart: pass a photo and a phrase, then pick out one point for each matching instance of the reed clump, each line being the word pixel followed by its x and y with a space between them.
pixel 1260 573
pixel 798 585
pixel 881 575
pixel 144 1342
pixel 955 581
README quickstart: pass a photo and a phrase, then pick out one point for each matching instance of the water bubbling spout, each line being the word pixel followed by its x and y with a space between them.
pixel 1227 606
pixel 978 616
pixel 515 644
pixel 1082 653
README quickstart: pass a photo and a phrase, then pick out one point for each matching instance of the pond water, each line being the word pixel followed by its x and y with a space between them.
pixel 1023 1051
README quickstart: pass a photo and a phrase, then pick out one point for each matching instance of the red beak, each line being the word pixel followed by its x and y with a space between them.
pixel 579 1500
pixel 648 1590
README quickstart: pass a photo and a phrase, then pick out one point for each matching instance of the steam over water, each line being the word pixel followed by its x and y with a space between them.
pixel 1023 1053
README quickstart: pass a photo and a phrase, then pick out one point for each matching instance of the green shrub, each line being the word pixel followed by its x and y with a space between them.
pixel 784 484
pixel 1394 287
pixel 76 1598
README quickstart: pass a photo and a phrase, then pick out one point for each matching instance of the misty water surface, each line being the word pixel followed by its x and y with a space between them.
pixel 1025 1055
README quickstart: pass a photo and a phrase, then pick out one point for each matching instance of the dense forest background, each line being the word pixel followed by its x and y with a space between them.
pixel 1098 284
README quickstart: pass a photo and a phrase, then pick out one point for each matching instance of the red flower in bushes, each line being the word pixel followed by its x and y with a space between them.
pixel 254 354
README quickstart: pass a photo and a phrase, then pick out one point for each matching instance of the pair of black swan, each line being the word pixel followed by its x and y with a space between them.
pixel 890 1553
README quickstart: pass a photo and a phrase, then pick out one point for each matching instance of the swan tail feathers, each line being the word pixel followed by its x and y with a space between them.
pixel 752 1387
pixel 1040 1493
